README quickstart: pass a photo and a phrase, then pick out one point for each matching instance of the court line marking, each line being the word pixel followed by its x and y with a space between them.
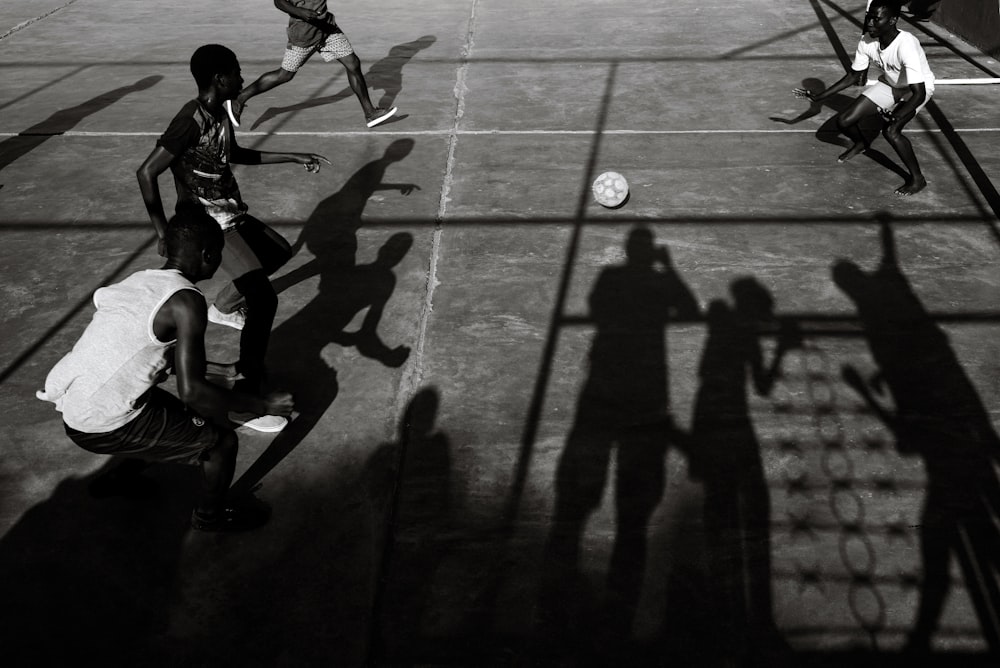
pixel 967 82
pixel 451 132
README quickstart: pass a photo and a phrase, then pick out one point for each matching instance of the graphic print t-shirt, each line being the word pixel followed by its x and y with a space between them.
pixel 201 171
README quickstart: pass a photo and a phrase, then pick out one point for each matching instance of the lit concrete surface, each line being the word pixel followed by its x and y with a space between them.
pixel 507 111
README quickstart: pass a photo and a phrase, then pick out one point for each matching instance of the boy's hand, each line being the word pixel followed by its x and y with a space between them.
pixel 311 161
pixel 888 116
pixel 804 94
pixel 279 403
pixel 316 16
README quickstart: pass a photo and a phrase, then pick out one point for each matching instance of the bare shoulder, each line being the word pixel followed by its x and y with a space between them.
pixel 183 311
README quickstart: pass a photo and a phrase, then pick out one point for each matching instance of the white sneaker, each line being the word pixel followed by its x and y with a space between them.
pixel 379 115
pixel 236 319
pixel 265 423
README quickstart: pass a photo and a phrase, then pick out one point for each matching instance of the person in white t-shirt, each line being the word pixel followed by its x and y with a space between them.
pixel 904 86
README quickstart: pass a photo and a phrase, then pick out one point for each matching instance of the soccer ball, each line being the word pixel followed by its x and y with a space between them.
pixel 610 189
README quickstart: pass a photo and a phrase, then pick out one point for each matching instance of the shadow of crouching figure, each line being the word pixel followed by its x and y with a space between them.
pixel 938 416
pixel 622 408
pixel 724 454
pixel 88 582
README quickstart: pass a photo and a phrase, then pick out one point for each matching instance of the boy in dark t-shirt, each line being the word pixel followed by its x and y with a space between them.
pixel 312 28
pixel 198 148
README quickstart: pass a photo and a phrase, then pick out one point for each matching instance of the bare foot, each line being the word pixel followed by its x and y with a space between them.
pixel 859 147
pixel 912 186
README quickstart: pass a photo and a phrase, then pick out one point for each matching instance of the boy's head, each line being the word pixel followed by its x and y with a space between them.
pixel 211 61
pixel 882 11
pixel 194 240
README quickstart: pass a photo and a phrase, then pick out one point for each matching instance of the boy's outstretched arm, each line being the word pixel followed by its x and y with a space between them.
pixel 250 156
pixel 852 78
pixel 148 175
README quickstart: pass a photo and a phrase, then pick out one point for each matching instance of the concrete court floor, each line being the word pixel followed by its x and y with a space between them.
pixel 415 495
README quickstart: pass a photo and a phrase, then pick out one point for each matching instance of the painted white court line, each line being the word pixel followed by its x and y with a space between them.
pixel 966 82
pixel 453 132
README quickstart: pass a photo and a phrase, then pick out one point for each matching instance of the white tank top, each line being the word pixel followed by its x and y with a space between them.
pixel 100 385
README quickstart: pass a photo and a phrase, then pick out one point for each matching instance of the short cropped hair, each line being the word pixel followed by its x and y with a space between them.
pixel 192 230
pixel 209 60
pixel 894 7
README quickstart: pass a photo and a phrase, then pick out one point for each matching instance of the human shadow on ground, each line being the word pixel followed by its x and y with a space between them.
pixel 923 395
pixel 385 74
pixel 345 290
pixel 736 609
pixel 421 531
pixel 622 409
pixel 65 120
pixel 829 133
pixel 306 590
pixel 87 580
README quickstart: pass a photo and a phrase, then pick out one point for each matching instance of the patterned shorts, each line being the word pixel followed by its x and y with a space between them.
pixel 336 46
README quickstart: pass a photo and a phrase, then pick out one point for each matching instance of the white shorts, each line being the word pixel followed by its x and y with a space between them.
pixel 334 47
pixel 886 97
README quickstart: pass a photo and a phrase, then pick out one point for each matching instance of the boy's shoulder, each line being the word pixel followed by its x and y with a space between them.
pixel 190 108
pixel 192 113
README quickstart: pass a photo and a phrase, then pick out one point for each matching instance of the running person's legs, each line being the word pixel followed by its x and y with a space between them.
pixel 294 58
pixel 338 47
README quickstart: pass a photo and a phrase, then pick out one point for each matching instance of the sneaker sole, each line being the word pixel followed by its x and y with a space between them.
pixel 224 323
pixel 263 430
pixel 381 119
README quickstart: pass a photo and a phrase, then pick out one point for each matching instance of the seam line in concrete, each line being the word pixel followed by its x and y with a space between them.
pixel 25 24
pixel 415 372
pixel 412 376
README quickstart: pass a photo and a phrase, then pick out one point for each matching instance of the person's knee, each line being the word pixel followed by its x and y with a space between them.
pixel 284 76
pixel 256 288
pixel 892 133
pixel 845 120
pixel 352 63
pixel 226 448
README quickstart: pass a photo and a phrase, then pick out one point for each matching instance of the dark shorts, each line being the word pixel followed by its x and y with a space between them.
pixel 165 431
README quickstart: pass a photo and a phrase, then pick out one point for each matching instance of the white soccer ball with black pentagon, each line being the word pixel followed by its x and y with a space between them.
pixel 610 190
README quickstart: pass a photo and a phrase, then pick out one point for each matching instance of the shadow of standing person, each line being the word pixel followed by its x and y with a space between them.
pixel 622 408
pixel 724 453
pixel 345 290
pixel 938 416
pixel 419 533
pixel 64 120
